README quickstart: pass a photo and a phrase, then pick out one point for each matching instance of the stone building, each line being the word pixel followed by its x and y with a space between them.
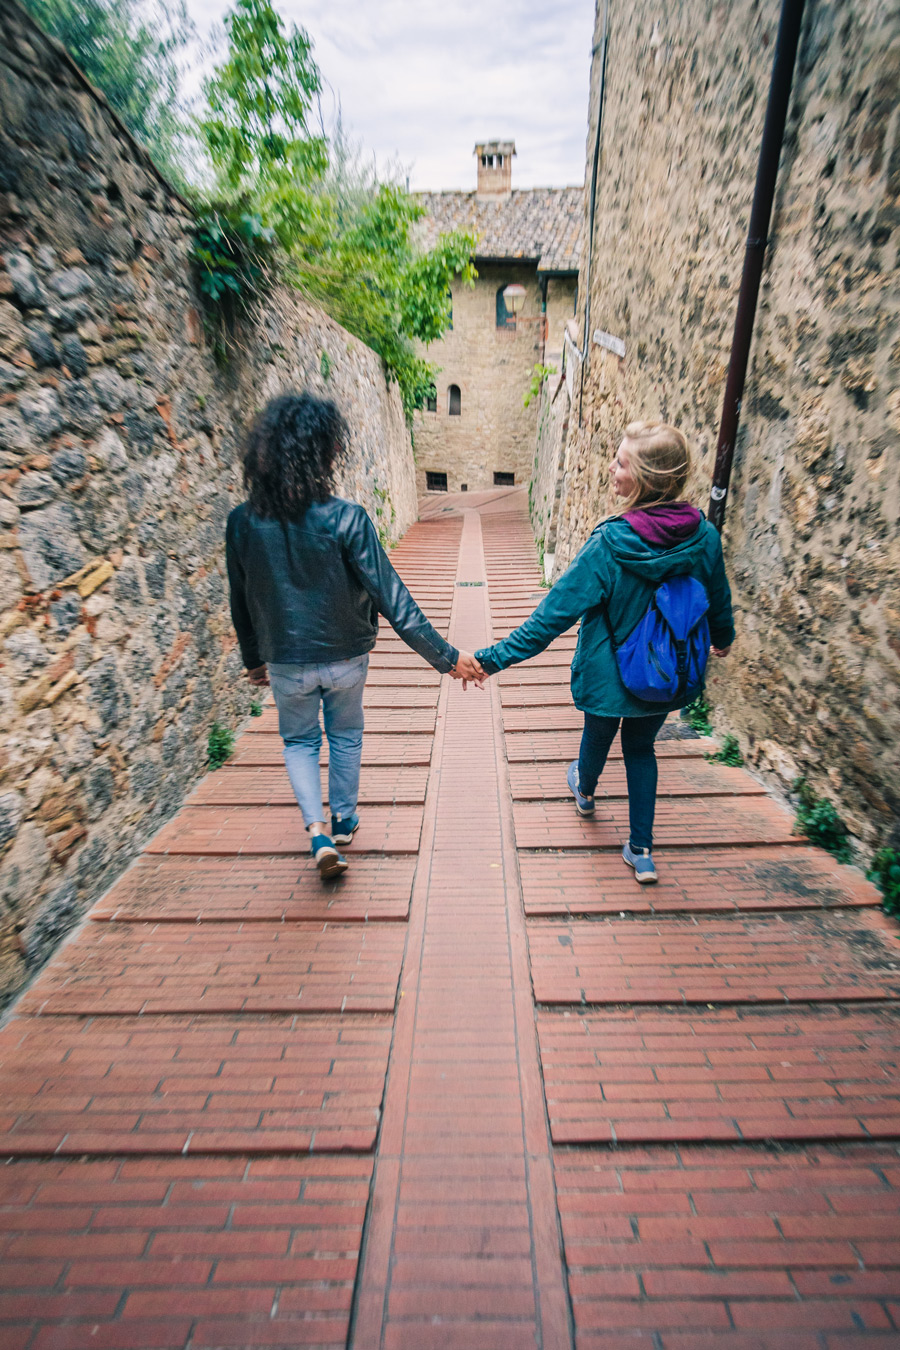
pixel 476 431
pixel 812 544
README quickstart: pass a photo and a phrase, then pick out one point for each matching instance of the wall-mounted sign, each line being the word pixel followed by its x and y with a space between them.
pixel 612 344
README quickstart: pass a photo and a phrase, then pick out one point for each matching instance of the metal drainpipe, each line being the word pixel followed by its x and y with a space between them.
pixel 589 242
pixel 754 255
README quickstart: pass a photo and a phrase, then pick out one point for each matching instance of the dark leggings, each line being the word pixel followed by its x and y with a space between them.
pixel 638 735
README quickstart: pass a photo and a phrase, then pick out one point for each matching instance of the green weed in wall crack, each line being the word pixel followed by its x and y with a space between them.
pixel 385 515
pixel 539 374
pixel 219 745
pixel 233 256
pixel 729 753
pixel 819 821
pixel 885 873
pixel 696 715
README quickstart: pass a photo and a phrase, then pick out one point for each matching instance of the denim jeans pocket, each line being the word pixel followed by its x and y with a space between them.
pixel 345 674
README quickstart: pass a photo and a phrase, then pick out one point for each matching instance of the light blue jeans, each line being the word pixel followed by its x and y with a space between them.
pixel 299 691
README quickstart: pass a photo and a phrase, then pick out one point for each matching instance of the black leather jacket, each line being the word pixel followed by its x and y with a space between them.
pixel 310 591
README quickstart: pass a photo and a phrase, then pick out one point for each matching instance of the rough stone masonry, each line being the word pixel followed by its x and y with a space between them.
pixel 119 442
pixel 813 686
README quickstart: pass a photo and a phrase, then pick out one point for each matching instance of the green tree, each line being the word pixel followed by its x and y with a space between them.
pixel 346 241
pixel 256 127
pixel 132 52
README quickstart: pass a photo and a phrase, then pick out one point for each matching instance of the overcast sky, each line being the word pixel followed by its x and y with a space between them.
pixel 420 81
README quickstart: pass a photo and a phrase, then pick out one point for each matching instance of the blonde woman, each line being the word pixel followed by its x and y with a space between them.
pixel 609 587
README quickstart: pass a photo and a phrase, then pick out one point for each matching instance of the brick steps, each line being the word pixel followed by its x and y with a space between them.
pixel 760 958
pixel 690 822
pixel 698 1076
pixel 116 969
pixel 204 1084
pixel 707 882
pixel 682 777
pixel 738 1248
pixel 197 1088
pixel 392 716
pixel 253 830
pixel 167 1251
pixel 270 786
pixel 525 747
pixel 389 748
pixel 263 889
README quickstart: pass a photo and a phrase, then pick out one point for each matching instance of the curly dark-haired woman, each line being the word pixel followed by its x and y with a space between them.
pixel 308 580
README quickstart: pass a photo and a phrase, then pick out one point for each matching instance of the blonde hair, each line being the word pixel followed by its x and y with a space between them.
pixel 659 458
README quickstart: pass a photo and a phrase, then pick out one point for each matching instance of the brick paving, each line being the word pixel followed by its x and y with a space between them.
pixel 484 1092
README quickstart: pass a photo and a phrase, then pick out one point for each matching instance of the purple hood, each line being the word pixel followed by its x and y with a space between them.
pixel 665 525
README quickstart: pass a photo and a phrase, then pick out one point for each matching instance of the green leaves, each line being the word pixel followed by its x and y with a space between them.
pixel 259 100
pixel 131 51
pixel 539 374
pixel 426 282
pixel 233 257
pixel 730 753
pixel 820 822
pixel 885 872
pixel 219 745
pixel 372 277
pixel 697 715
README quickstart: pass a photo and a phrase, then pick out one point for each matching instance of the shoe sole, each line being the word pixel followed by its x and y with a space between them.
pixel 330 864
pixel 641 878
pixel 345 838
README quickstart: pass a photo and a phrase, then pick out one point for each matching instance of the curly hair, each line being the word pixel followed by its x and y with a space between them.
pixel 293 449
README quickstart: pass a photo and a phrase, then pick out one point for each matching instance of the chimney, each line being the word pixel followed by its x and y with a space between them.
pixel 495 168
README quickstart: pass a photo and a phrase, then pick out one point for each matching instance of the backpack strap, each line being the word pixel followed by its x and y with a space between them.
pixel 609 628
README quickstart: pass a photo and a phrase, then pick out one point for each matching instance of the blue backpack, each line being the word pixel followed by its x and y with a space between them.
pixel 664 658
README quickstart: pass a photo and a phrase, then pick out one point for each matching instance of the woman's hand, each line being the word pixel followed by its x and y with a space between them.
pixel 259 676
pixel 721 651
pixel 467 668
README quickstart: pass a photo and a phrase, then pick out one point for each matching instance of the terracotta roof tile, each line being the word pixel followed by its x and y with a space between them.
pixel 543 224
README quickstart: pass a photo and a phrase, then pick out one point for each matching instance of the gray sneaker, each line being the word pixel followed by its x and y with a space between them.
pixel 583 805
pixel 641 859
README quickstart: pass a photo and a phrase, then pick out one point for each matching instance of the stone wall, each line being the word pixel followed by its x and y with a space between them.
pixel 549 465
pixel 492 367
pixel 812 544
pixel 119 442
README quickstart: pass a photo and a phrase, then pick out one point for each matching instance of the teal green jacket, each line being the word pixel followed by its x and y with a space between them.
pixel 618 569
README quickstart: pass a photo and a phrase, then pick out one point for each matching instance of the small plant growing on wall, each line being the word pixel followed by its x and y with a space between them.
pixel 885 872
pixel 233 254
pixel 385 515
pixel 538 375
pixel 696 715
pixel 730 753
pixel 820 822
pixel 255 708
pixel 219 745
pixel 325 364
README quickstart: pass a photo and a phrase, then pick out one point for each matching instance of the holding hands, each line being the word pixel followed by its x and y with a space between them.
pixel 466 669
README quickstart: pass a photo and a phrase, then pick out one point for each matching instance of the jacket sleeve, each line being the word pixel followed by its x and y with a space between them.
pixel 240 612
pixel 581 587
pixel 372 567
pixel 721 619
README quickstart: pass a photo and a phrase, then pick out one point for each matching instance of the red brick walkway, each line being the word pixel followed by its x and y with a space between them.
pixel 484 1092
